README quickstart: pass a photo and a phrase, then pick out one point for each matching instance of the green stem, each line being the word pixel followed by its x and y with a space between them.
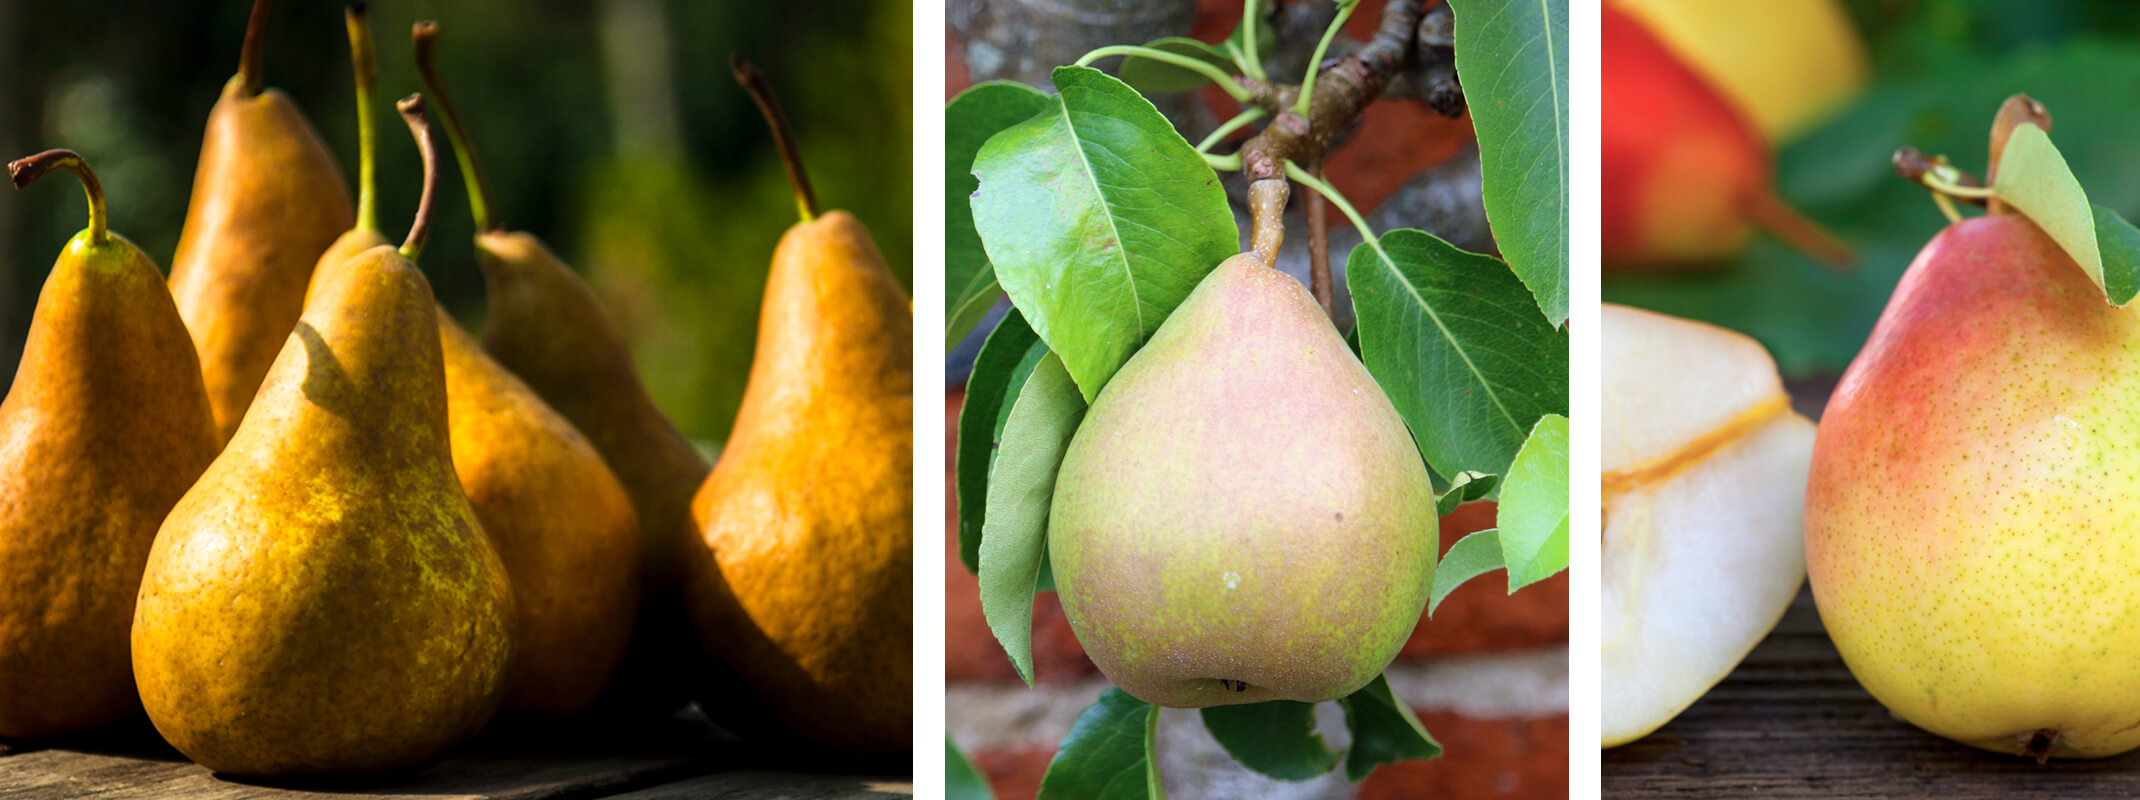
pixel 761 92
pixel 1230 162
pixel 1226 82
pixel 425 37
pixel 1252 65
pixel 1939 181
pixel 1308 179
pixel 1251 115
pixel 1307 85
pixel 23 171
pixel 249 77
pixel 366 66
pixel 412 112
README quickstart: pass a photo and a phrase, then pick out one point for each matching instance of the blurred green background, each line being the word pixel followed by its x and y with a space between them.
pixel 1940 68
pixel 611 128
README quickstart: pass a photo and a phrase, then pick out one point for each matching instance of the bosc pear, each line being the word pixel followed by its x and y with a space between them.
pixel 268 199
pixel 1242 516
pixel 802 582
pixel 324 599
pixel 105 427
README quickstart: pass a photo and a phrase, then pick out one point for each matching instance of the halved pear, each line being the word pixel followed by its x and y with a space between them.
pixel 1704 483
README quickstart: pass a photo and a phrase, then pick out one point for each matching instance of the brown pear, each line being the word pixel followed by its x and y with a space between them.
pixel 546 326
pixel 802 581
pixel 104 428
pixel 268 198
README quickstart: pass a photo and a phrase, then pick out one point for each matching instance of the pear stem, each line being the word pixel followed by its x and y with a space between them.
pixel 425 36
pixel 1319 250
pixel 23 171
pixel 249 77
pixel 412 112
pixel 761 92
pixel 366 66
pixel 1307 84
pixel 1266 217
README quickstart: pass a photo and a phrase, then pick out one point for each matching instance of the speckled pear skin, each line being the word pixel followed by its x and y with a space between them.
pixel 1971 514
pixel 1242 516
pixel 268 199
pixel 802 584
pixel 547 327
pixel 324 599
pixel 105 427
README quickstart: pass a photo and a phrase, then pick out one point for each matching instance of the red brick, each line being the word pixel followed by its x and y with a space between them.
pixel 1482 758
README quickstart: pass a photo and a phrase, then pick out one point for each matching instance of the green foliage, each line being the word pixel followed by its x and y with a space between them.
pixel 1021 489
pixel 1108 754
pixel 1533 514
pixel 988 396
pixel 1384 731
pixel 1513 60
pixel 961 780
pixel 969 120
pixel 1276 738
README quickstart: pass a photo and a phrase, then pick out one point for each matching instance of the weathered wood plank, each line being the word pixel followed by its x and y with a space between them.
pixel 787 786
pixel 1792 722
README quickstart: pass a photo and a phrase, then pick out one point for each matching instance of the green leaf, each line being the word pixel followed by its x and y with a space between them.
pixel 1152 76
pixel 969 119
pixel 1384 731
pixel 2120 245
pixel 1099 219
pixel 1276 738
pixel 2034 179
pixel 1464 488
pixel 961 780
pixel 987 391
pixel 1459 345
pixel 1474 555
pixel 1021 487
pixel 1109 753
pixel 1533 515
pixel 1513 61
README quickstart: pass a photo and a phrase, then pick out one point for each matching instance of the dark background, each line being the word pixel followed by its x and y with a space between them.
pixel 610 128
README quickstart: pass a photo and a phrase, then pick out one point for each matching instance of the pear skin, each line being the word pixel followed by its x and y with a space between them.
pixel 802 582
pixel 105 426
pixel 1242 516
pixel 324 599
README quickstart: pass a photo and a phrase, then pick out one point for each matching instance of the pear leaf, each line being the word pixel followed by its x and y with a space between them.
pixel 969 119
pixel 1276 738
pixel 2120 245
pixel 1109 753
pixel 1464 488
pixel 1099 218
pixel 980 424
pixel 1474 555
pixel 1384 730
pixel 961 780
pixel 1533 516
pixel 1513 61
pixel 2034 179
pixel 1152 76
pixel 1021 486
pixel 1458 343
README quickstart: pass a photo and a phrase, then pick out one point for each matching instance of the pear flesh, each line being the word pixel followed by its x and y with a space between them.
pixel 1242 516
pixel 1971 513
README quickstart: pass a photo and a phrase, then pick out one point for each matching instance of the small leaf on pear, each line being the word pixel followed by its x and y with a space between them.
pixel 1533 516
pixel 980 423
pixel 1276 738
pixel 2120 246
pixel 1152 76
pixel 1021 487
pixel 1384 730
pixel 1464 488
pixel 2034 179
pixel 1474 555
pixel 1109 753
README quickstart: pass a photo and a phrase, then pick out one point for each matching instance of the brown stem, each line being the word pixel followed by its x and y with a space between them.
pixel 412 112
pixel 424 37
pixel 1770 213
pixel 23 171
pixel 1341 93
pixel 2017 110
pixel 1319 249
pixel 1266 217
pixel 761 92
pixel 249 77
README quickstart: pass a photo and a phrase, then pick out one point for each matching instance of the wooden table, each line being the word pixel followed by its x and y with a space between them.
pixel 1792 722
pixel 681 757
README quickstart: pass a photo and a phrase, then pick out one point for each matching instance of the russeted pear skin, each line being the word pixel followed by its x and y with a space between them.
pixel 105 427
pixel 324 600
pixel 1242 516
pixel 803 581
pixel 268 198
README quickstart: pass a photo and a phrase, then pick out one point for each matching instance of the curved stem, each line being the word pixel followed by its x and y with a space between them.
pixel 1304 178
pixel 412 112
pixel 24 171
pixel 1218 135
pixel 424 35
pixel 366 66
pixel 761 92
pixel 1251 65
pixel 1307 85
pixel 249 78
pixel 1266 217
pixel 1230 162
pixel 1226 82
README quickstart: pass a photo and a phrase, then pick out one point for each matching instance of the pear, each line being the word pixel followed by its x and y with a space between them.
pixel 1703 482
pixel 1970 514
pixel 104 428
pixel 1686 177
pixel 1242 516
pixel 324 599
pixel 1786 63
pixel 546 326
pixel 802 582
pixel 268 199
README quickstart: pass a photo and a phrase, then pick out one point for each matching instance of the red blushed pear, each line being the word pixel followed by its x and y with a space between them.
pixel 1972 504
pixel 1686 177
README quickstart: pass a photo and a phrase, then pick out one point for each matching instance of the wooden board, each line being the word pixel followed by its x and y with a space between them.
pixel 1792 722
